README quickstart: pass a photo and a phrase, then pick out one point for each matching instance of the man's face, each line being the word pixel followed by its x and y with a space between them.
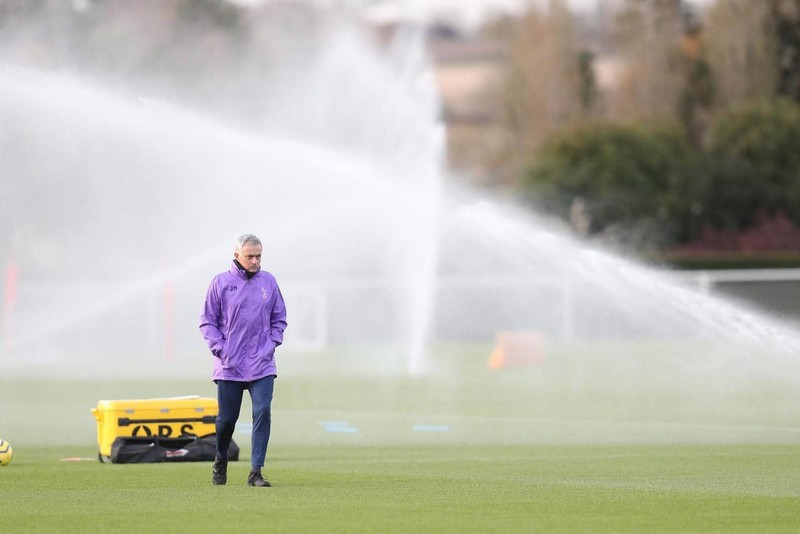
pixel 250 257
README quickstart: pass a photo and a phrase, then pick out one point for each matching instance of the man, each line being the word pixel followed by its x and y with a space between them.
pixel 243 322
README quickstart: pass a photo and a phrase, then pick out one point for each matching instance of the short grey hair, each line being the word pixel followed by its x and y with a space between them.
pixel 247 239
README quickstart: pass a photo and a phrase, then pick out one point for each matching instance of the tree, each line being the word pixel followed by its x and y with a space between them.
pixel 648 36
pixel 756 163
pixel 636 181
pixel 588 81
pixel 698 93
pixel 786 17
pixel 550 81
pixel 741 50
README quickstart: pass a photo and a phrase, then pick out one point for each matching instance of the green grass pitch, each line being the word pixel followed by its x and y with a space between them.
pixel 422 488
pixel 563 448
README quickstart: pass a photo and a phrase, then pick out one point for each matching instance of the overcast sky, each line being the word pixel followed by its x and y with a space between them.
pixel 466 12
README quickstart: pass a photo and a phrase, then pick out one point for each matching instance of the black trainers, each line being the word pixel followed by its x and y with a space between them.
pixel 219 471
pixel 255 479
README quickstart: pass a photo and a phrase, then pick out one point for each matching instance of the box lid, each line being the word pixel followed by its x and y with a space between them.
pixel 162 405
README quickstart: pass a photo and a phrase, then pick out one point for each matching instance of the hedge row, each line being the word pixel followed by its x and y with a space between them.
pixel 647 180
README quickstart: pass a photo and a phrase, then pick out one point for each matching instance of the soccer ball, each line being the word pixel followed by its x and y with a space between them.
pixel 5 452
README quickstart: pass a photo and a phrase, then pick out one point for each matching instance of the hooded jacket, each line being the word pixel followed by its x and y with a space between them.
pixel 243 321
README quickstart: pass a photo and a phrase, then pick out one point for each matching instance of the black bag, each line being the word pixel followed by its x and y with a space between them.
pixel 152 449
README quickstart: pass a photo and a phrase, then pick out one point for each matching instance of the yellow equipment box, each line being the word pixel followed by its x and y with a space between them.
pixel 175 417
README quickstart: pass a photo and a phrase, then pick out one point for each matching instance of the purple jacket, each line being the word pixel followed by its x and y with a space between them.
pixel 243 321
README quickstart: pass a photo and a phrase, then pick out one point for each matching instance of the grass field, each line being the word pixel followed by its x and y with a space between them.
pixel 447 488
pixel 581 444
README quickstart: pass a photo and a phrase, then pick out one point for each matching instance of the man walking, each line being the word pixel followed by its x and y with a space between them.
pixel 243 322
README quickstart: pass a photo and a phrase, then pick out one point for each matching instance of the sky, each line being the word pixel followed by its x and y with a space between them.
pixel 467 11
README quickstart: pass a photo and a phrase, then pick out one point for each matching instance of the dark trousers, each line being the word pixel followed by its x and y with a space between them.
pixel 229 397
